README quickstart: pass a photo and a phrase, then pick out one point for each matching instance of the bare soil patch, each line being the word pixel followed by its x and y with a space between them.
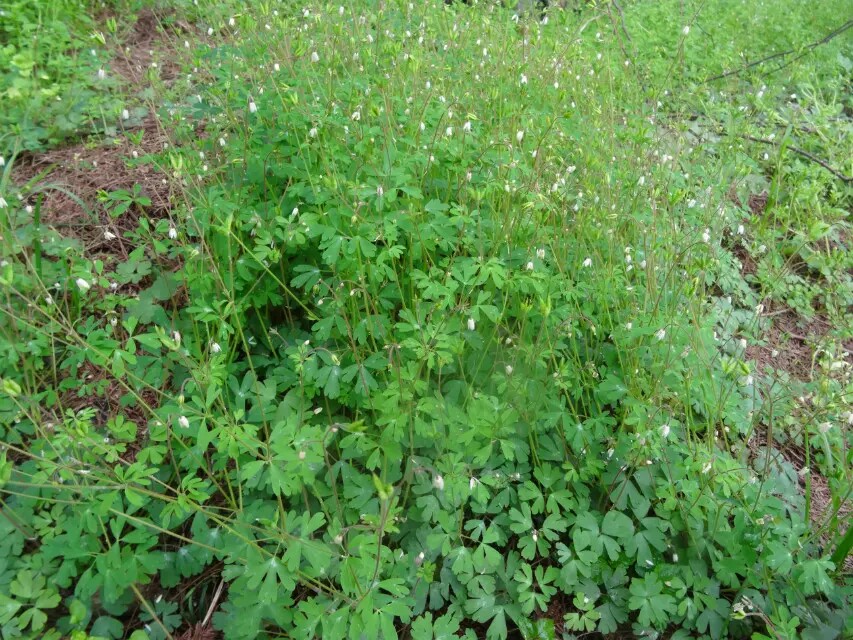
pixel 70 179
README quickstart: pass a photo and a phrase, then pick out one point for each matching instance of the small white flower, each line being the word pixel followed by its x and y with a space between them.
pixel 2 161
pixel 472 483
pixel 125 114
pixel 675 557
pixel 740 229
pixel 356 116
pixel 231 22
pixel 184 422
pixel 523 79
pixel 3 203
pixel 83 285
pixel 340 11
pixel 380 191
pixel 109 236
pixel 173 233
pixel 438 482
pixel 276 67
pixel 101 74
pixel 210 31
pixel 48 299
pixel 448 132
pixel 706 468
pixel 686 29
pixel 540 253
pixel 176 336
pixel 221 142
pixel 313 132
pixel 629 325
pixel 529 266
pixel 472 324
pixel 253 108
pixel 467 127
pixel 706 236
pixel 508 369
pixel 742 343
pixel 422 126
pixel 519 135
pixel 315 57
pixel 302 455
pixel 664 431
pixel 660 334
pixel 215 347
pixel 587 262
pixel 641 181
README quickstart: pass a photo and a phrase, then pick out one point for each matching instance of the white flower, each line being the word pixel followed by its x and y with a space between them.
pixel 664 431
pixel 472 483
pixel 173 233
pixel 221 142
pixel 706 236
pixel 2 161
pixel 48 299
pixel 529 266
pixel 540 253
pixel 253 108
pixel 276 67
pixel 3 203
pixel 519 136
pixel 706 468
pixel 523 79
pixel 629 325
pixel 356 116
pixel 641 181
pixel 428 85
pixel 661 334
pixel 740 229
pixel 184 422
pixel 472 324
pixel 231 22
pixel 313 132
pixel 380 191
pixel 587 262
pixel 83 285
pixel 215 347
pixel 125 114
pixel 340 11
pixel 448 132
pixel 467 127
pixel 176 336
pixel 109 236
pixel 315 57
pixel 101 74
pixel 686 29
pixel 438 482
pixel 508 369
pixel 742 343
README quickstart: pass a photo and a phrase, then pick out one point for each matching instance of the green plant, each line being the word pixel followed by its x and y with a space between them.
pixel 448 339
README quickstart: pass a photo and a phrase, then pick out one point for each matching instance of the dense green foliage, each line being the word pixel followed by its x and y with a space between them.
pixel 446 337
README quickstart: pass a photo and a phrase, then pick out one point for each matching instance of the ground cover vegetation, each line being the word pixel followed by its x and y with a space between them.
pixel 379 319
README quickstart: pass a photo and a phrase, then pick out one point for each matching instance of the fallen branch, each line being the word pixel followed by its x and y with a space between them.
pixel 782 54
pixel 805 154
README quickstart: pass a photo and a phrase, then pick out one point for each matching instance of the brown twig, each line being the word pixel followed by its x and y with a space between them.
pixel 782 54
pixel 805 154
